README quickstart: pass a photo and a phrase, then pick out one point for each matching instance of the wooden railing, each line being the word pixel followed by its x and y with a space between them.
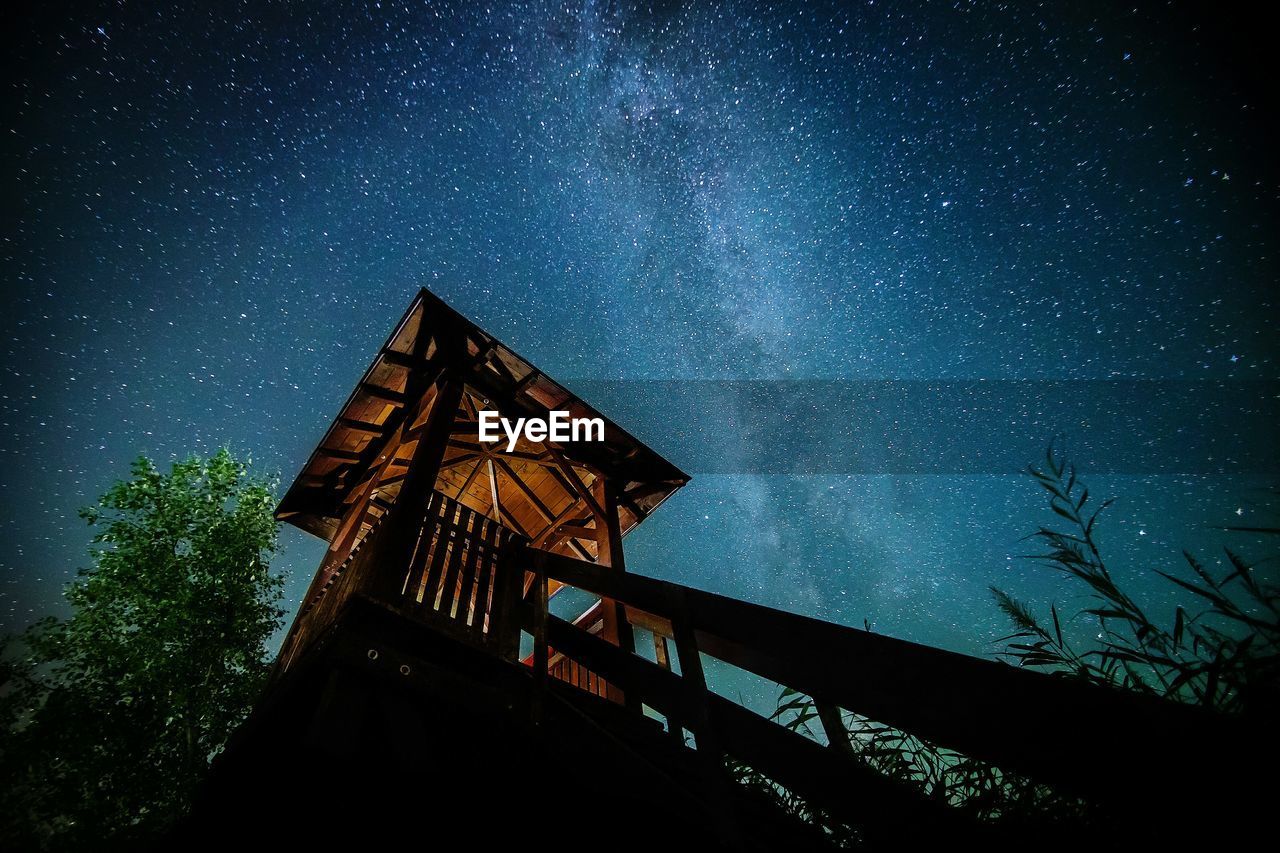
pixel 572 671
pixel 455 579
pixel 353 575
pixel 471 578
pixel 1062 732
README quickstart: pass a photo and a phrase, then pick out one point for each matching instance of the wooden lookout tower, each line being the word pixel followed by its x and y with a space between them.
pixel 426 519
pixel 427 694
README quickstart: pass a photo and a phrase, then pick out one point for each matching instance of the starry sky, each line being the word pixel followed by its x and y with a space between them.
pixel 215 211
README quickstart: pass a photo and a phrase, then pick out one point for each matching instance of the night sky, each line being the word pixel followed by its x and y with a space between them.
pixel 215 212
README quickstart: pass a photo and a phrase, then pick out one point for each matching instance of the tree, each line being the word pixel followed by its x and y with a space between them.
pixel 111 716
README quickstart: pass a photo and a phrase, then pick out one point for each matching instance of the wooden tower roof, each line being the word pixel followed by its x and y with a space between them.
pixel 541 490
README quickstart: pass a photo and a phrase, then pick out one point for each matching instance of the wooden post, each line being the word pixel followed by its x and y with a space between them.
pixel 508 572
pixel 695 683
pixel 706 738
pixel 398 534
pixel 660 651
pixel 833 724
pixel 616 628
pixel 540 655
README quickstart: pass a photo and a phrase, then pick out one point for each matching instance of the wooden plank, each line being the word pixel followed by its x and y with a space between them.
pixel 470 477
pixel 508 595
pixel 361 426
pixel 432 582
pixel 493 490
pixel 395 398
pixel 468 613
pixel 461 541
pixel 399 359
pixel 888 810
pixel 485 577
pixel 653 624
pixel 415 580
pixel 340 455
pixel 403 523
pixel 458 460
pixel 579 532
pixel 609 538
pixel 707 738
pixel 538 629
pixel 533 499
pixel 834 728
pixel 661 652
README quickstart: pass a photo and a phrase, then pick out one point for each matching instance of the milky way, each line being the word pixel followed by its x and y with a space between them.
pixel 215 214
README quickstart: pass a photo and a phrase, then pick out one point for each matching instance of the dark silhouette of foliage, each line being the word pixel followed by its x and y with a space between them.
pixel 1221 651
pixel 977 788
pixel 111 716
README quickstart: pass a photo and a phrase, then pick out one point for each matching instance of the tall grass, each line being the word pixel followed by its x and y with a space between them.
pixel 1220 648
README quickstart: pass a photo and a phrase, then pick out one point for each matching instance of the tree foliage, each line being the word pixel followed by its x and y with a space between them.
pixel 110 717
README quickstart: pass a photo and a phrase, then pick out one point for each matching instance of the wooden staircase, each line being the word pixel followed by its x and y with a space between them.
pixel 396 723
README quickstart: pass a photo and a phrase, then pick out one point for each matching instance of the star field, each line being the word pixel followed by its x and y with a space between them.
pixel 217 210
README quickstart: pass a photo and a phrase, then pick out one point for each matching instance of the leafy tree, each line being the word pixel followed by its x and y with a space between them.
pixel 109 718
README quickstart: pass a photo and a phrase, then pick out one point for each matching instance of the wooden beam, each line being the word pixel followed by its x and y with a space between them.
pixel 538 629
pixel 480 460
pixel 578 486
pixel 551 529
pixel 400 529
pixel 398 430
pixel 533 499
pixel 660 651
pixel 609 550
pixel 361 426
pixel 469 406
pixel 493 490
pixel 395 398
pixel 399 359
pixel 514 522
pixel 833 726
pixel 342 455
pixel 854 791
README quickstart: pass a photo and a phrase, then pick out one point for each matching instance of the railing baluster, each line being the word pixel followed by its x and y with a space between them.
pixel 539 634
pixel 470 614
pixel 421 548
pixel 428 543
pixel 432 582
pixel 450 594
pixel 485 578
pixel 660 651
